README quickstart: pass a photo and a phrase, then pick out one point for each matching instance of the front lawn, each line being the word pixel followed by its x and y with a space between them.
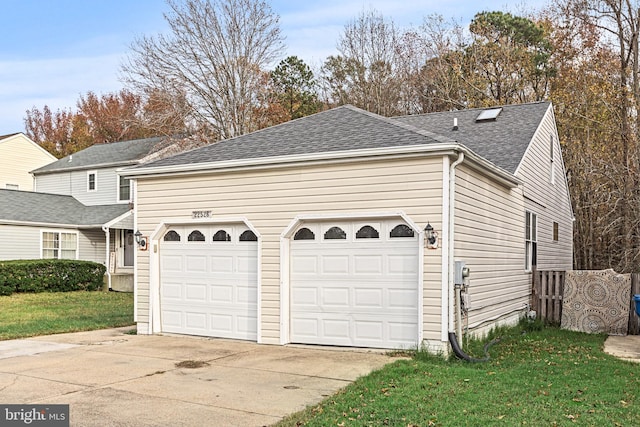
pixel 25 314
pixel 548 377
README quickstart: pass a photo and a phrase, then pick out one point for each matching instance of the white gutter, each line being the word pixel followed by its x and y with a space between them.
pixel 105 228
pixel 481 164
pixel 451 221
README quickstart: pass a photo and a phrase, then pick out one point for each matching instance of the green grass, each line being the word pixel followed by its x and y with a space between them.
pixel 26 315
pixel 547 377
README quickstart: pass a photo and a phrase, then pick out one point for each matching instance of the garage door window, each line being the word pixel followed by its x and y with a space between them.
pixel 335 233
pixel 171 236
pixel 367 232
pixel 196 236
pixel 221 236
pixel 401 230
pixel 304 234
pixel 248 236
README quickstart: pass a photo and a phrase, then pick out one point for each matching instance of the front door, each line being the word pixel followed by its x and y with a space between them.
pixel 128 246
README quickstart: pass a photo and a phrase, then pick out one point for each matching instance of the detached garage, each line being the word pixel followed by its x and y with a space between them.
pixel 343 228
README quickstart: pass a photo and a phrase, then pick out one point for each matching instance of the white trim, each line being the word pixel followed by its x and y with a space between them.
pixel 155 325
pixel 93 172
pixel 484 165
pixel 444 264
pixel 285 254
pixel 134 183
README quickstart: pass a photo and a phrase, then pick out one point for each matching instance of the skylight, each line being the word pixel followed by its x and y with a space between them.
pixel 490 114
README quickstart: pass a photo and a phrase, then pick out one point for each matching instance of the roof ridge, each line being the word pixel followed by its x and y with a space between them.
pixel 411 128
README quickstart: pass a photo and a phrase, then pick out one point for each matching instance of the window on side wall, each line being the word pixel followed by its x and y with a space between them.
pixel 531 240
pixel 92 180
pixel 124 189
pixel 59 245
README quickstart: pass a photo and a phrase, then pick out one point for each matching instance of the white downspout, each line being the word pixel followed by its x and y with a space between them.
pixel 450 270
pixel 107 254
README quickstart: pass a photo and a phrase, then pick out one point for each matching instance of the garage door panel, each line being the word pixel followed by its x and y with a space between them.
pixel 368 264
pixel 172 263
pixel 221 264
pixel 335 297
pixel 334 264
pixel 355 292
pixel 209 287
pixel 195 292
pixel 369 330
pixel 403 298
pixel 402 264
pixel 172 291
pixel 304 296
pixel 196 264
pixel 304 264
pixel 369 297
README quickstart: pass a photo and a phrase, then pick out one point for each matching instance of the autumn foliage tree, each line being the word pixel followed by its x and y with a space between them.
pixel 101 119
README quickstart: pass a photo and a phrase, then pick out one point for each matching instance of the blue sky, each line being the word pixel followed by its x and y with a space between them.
pixel 54 51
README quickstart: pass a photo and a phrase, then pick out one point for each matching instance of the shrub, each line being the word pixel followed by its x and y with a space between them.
pixel 50 275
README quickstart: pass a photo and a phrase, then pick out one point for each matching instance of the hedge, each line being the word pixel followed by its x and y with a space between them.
pixel 50 275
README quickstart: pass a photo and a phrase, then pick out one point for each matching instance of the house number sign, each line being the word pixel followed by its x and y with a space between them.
pixel 200 214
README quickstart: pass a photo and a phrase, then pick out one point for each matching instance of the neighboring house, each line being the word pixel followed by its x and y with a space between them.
pixel 319 230
pixel 18 156
pixel 81 210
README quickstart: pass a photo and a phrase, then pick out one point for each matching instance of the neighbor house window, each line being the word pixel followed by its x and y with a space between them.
pixel 556 229
pixel 124 189
pixel 92 180
pixel 531 240
pixel 59 245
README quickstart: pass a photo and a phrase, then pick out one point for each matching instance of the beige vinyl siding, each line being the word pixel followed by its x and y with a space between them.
pixel 74 183
pixel 550 201
pixel 19 242
pixel 489 237
pixel 18 156
pixel 271 199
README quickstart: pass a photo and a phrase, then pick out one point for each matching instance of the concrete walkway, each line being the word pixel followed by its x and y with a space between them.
pixel 624 347
pixel 113 379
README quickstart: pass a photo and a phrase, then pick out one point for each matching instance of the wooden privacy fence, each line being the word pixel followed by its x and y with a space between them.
pixel 548 289
pixel 546 294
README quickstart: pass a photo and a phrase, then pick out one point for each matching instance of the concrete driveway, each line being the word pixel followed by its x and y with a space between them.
pixel 110 378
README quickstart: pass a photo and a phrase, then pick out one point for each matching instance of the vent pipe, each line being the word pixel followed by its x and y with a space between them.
pixel 455 123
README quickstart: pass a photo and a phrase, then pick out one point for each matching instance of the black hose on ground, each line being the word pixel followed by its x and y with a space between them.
pixel 463 356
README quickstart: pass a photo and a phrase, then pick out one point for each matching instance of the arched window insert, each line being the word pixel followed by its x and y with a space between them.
pixel 401 230
pixel 367 232
pixel 221 236
pixel 335 233
pixel 304 234
pixel 248 236
pixel 196 236
pixel 171 236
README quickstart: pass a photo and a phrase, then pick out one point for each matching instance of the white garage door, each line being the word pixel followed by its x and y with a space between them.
pixel 355 284
pixel 208 281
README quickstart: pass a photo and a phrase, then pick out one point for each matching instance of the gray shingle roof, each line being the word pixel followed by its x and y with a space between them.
pixel 27 206
pixel 115 153
pixel 503 142
pixel 339 129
